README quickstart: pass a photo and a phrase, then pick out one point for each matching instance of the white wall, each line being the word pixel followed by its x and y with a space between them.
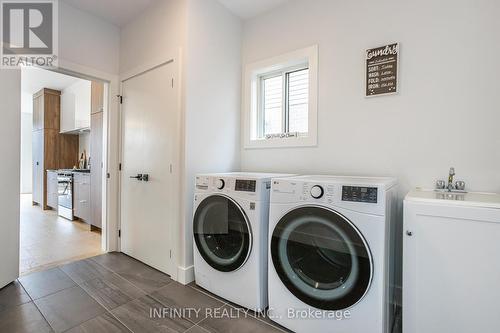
pixel 87 40
pixel 446 113
pixel 10 141
pixel 157 32
pixel 213 80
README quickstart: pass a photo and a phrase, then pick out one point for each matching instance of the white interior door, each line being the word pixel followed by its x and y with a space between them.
pixel 149 128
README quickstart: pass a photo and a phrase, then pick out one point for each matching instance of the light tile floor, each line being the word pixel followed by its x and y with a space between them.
pixel 48 240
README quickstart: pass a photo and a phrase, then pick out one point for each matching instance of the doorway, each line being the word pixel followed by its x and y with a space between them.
pixel 62 168
pixel 150 198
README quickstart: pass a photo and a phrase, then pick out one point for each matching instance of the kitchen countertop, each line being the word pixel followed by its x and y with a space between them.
pixel 70 170
pixel 82 170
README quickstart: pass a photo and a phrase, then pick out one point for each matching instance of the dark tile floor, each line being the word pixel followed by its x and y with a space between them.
pixel 115 293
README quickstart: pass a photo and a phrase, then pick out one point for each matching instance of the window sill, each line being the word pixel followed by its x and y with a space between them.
pixel 291 142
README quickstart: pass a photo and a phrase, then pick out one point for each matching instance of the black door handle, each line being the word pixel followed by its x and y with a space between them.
pixel 145 177
pixel 138 177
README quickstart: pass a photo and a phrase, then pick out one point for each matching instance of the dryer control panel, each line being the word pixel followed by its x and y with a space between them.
pixel 241 187
pixel 359 194
pixel 245 185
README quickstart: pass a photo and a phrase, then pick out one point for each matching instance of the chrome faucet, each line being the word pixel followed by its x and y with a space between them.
pixel 450 179
pixel 453 186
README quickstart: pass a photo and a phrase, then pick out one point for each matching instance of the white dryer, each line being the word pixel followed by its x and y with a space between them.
pixel 230 229
pixel 329 253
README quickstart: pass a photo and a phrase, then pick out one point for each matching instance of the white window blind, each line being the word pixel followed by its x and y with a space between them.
pixel 298 101
pixel 285 102
pixel 273 105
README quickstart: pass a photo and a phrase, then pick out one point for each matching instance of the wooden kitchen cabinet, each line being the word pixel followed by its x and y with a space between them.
pixel 97 97
pixel 96 168
pixel 46 109
pixel 52 189
pixel 81 196
pixel 51 150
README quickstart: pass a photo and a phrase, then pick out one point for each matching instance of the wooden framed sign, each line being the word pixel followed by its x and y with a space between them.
pixel 382 70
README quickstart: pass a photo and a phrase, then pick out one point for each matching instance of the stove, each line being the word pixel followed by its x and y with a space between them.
pixel 65 194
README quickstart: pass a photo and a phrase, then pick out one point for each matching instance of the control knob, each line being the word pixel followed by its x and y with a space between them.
pixel 220 184
pixel 317 191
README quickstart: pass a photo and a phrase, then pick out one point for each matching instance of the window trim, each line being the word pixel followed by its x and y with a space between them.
pixel 252 85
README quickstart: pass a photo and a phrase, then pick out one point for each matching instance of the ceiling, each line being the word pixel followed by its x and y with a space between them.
pixel 118 12
pixel 34 79
pixel 247 9
pixel 121 12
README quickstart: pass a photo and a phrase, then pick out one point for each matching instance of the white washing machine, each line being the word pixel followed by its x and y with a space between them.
pixel 329 253
pixel 230 228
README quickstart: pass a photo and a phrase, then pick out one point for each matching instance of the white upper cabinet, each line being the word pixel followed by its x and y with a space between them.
pixel 75 107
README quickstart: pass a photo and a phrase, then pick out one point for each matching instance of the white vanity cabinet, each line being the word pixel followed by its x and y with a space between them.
pixel 451 268
pixel 75 107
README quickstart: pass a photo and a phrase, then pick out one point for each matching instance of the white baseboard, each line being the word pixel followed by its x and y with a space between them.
pixel 185 275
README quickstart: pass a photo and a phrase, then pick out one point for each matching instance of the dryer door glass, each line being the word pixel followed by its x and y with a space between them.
pixel 321 258
pixel 222 233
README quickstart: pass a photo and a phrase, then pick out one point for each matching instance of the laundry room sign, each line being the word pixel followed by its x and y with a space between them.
pixel 382 70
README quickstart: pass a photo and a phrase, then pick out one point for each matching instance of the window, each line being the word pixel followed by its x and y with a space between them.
pixel 284 102
pixel 280 101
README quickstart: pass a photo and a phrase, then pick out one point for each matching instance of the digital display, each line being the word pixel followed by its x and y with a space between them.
pixel 245 185
pixel 359 194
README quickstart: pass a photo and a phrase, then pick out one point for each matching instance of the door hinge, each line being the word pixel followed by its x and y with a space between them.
pixel 170 168
pixel 108 175
pixel 170 253
pixel 120 167
pixel 119 233
pixel 172 82
pixel 120 98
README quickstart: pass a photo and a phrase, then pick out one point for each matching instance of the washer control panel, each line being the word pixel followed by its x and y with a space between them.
pixel 359 194
pixel 352 194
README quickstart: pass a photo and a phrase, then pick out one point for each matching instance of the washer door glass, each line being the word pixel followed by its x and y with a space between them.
pixel 222 233
pixel 321 258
